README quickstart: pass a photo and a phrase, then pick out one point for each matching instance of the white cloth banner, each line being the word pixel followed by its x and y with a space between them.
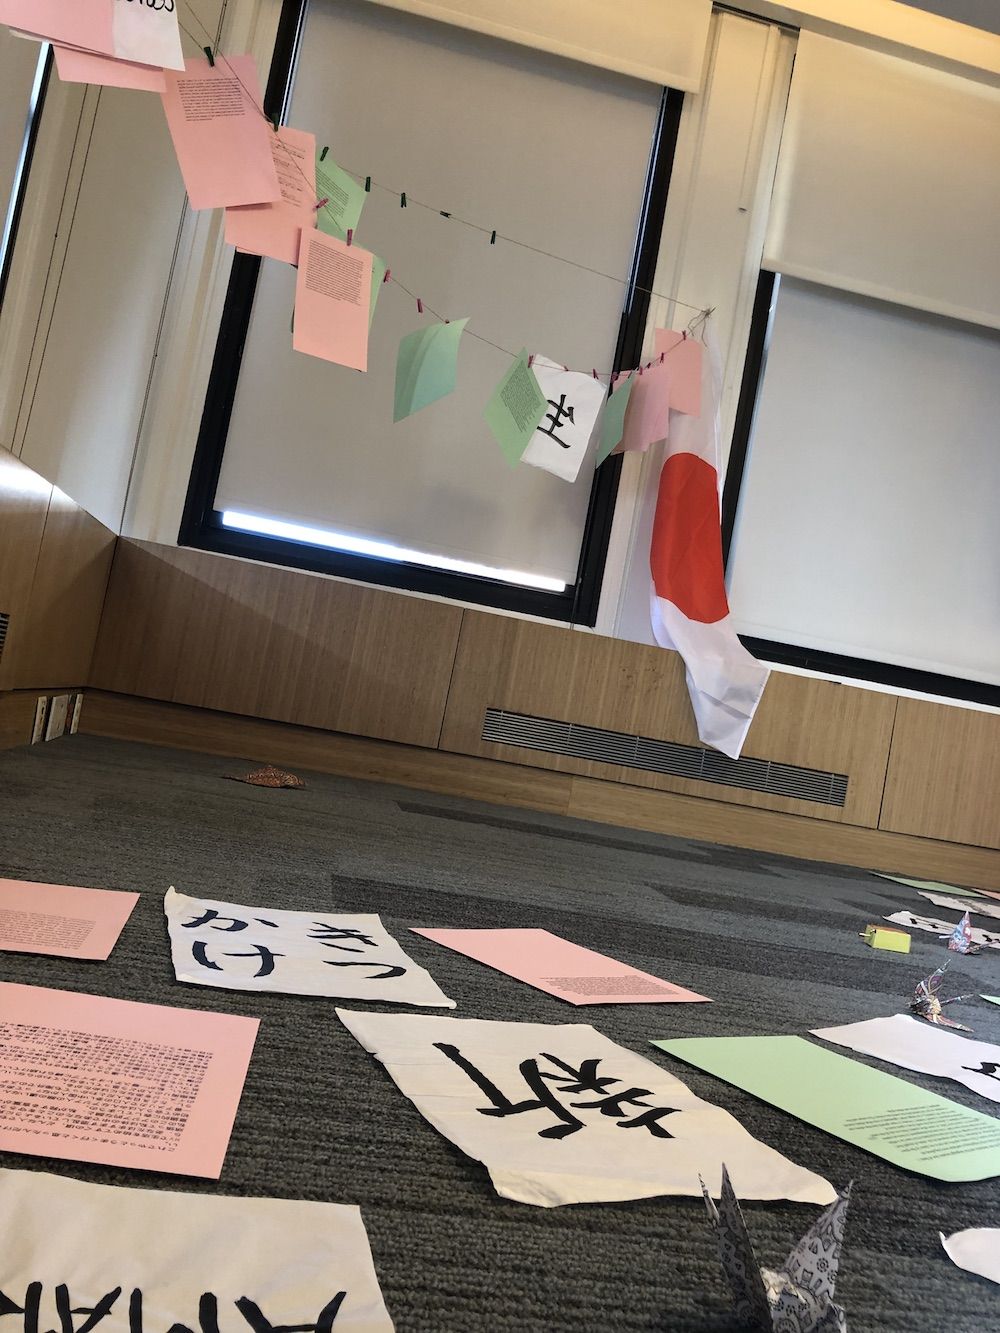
pixel 558 1113
pixel 689 607
pixel 976 1250
pixel 984 937
pixel 159 1258
pixel 910 1044
pixel 560 441
pixel 350 956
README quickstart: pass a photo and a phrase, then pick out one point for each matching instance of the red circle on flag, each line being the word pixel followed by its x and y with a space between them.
pixel 685 556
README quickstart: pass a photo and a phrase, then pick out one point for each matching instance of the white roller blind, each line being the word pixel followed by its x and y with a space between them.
pixel 650 39
pixel 889 182
pixel 18 64
pixel 548 151
pixel 868 523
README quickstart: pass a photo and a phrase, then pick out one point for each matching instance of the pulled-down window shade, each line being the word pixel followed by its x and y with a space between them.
pixel 868 519
pixel 650 39
pixel 545 150
pixel 888 182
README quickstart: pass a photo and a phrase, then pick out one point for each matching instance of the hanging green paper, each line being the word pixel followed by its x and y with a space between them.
pixel 516 408
pixel 613 421
pixel 426 366
pixel 345 199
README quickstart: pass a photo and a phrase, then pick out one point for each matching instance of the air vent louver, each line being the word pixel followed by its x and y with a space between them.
pixel 4 623
pixel 683 761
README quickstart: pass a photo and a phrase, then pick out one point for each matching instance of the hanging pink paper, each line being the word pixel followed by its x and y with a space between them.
pixel 683 354
pixel 647 418
pixel 86 23
pixel 134 1085
pixel 275 230
pixel 221 138
pixel 332 300
pixel 60 920
pixel 561 968
pixel 85 67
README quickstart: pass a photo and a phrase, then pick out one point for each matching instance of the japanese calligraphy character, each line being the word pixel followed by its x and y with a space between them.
pixel 567 1080
pixel 251 1312
pixel 556 417
pixel 267 956
pixel 391 969
pixel 327 934
pixel 210 915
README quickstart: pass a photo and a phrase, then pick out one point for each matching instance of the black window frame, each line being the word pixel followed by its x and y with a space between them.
pixel 798 655
pixel 14 206
pixel 201 523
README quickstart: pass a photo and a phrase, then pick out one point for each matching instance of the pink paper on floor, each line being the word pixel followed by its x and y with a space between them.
pixel 61 920
pixel 561 968
pixel 221 138
pixel 89 1079
pixel 683 355
pixel 332 300
pixel 86 23
pixel 647 418
pixel 275 230
pixel 85 67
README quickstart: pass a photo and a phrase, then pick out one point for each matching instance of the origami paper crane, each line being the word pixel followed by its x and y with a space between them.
pixel 798 1298
pixel 927 1003
pixel 960 940
pixel 268 776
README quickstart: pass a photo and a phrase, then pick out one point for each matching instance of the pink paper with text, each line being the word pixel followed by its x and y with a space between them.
pixel 61 920
pixel 89 1079
pixel 275 230
pixel 332 300
pixel 561 968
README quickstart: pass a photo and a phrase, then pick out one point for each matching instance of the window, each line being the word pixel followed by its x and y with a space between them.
pixel 24 69
pixel 298 460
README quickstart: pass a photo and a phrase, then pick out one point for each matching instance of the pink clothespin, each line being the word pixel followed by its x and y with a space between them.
pixel 531 360
pixel 350 235
pixel 640 370
pixel 662 355
pixel 387 275
pixel 594 373
pixel 321 203
pixel 614 376
pixel 420 306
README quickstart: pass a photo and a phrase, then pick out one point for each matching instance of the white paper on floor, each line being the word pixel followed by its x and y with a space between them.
pixel 982 906
pixel 346 955
pixel 976 1250
pixel 988 939
pixel 558 1113
pixel 910 1044
pixel 159 1259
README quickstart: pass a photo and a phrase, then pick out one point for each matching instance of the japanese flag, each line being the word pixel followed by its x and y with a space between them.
pixel 574 403
pixel 690 611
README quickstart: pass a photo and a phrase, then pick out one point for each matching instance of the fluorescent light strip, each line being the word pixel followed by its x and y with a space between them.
pixel 338 541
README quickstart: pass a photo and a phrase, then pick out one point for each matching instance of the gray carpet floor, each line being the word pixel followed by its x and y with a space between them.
pixel 774 941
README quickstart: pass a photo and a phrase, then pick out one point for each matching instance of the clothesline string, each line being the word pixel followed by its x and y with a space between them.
pixel 701 316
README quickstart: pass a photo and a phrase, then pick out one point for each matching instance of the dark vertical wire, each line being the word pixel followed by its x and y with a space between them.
pixel 631 335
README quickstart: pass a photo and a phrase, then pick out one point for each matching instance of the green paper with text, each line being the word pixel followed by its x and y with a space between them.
pixel 345 199
pixel 426 366
pixel 908 1126
pixel 613 420
pixel 516 408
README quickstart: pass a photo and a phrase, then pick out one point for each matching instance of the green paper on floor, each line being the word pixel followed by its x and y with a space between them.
pixel 426 366
pixel 993 999
pixel 345 199
pixel 613 420
pixel 908 1126
pixel 516 408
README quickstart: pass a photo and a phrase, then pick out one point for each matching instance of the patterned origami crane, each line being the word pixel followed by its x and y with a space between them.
pixel 927 1002
pixel 269 776
pixel 960 939
pixel 798 1298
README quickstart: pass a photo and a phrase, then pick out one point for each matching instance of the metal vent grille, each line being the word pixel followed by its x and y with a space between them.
pixel 682 761
pixel 4 622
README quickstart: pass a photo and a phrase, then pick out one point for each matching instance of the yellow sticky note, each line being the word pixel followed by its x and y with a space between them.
pixel 883 937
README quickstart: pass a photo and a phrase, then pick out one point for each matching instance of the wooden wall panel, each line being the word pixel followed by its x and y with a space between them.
pixel 549 672
pixel 944 774
pixel 17 719
pixel 301 748
pixel 242 637
pixel 54 563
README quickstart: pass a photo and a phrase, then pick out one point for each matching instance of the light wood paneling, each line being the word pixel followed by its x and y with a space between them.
pixel 67 596
pixel 24 503
pixel 532 788
pixel 944 774
pixel 574 677
pixel 17 717
pixel 242 637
